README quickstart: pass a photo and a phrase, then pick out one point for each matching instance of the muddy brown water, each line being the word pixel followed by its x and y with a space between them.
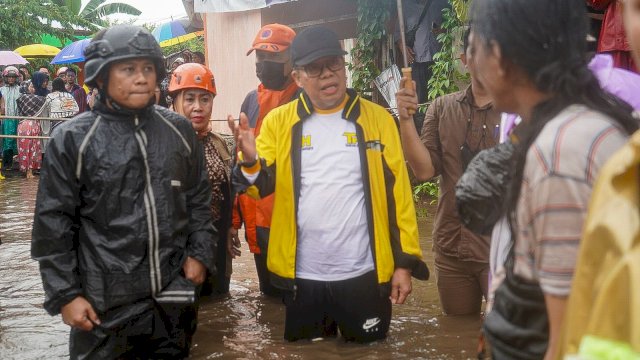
pixel 243 325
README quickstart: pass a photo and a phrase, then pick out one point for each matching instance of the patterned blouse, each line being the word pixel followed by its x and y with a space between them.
pixel 218 161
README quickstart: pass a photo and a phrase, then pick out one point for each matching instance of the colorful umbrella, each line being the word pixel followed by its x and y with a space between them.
pixel 168 31
pixel 37 51
pixel 71 53
pixel 181 38
pixel 11 58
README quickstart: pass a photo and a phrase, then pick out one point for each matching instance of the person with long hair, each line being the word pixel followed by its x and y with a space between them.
pixel 531 57
pixel 192 88
pixel 34 103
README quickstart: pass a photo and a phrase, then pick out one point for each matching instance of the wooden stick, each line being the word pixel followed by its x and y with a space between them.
pixel 408 84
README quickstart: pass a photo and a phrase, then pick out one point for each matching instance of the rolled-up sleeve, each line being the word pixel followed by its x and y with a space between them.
pixel 430 135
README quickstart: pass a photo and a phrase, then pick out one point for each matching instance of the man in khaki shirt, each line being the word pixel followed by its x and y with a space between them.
pixel 456 127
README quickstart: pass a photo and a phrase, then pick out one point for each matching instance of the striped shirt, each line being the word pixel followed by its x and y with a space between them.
pixel 560 169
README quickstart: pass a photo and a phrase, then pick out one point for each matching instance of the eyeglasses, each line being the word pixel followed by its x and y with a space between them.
pixel 316 68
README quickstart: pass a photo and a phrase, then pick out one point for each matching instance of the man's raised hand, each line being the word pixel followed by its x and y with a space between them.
pixel 243 135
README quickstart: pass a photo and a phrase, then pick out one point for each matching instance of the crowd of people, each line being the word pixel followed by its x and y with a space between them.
pixel 35 95
pixel 140 201
pixel 65 98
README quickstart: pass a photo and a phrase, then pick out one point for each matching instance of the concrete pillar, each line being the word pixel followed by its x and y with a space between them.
pixel 228 36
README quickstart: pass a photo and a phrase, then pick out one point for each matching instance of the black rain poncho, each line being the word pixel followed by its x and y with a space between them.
pixel 123 200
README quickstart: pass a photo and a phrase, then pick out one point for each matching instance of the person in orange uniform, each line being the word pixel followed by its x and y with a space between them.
pixel 273 68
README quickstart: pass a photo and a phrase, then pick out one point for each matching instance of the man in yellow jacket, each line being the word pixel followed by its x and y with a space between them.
pixel 344 234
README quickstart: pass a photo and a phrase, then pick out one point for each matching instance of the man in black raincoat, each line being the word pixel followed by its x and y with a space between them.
pixel 122 226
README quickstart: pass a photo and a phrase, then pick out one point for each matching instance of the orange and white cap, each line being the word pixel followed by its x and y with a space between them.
pixel 273 38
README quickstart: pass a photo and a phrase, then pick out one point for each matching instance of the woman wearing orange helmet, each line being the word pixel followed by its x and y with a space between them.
pixel 192 88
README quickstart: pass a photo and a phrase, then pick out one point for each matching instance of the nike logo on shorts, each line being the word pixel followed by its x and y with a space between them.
pixel 370 323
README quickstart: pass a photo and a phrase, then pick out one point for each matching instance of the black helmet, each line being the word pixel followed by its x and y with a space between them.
pixel 118 43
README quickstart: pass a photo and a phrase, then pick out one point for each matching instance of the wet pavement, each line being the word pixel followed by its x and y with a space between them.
pixel 243 325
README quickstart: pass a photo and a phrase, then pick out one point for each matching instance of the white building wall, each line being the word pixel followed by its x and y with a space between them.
pixel 228 36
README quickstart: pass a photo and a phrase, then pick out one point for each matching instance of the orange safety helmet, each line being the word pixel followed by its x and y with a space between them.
pixel 192 76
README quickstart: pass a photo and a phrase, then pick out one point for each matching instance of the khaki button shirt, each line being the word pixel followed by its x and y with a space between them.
pixel 449 122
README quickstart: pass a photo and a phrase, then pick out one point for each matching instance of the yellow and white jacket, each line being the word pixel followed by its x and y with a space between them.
pixel 389 204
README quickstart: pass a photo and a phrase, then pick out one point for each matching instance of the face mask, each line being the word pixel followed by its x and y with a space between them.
pixel 271 74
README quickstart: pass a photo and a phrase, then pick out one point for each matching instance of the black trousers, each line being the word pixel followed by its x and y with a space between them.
pixel 7 159
pixel 263 276
pixel 355 306
pixel 162 331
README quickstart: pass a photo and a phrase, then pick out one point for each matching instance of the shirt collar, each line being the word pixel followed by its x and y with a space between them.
pixel 466 96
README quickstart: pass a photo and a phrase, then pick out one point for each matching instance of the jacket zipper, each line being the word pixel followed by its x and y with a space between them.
pixel 149 202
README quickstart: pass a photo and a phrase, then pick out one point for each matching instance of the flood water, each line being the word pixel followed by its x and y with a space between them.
pixel 243 325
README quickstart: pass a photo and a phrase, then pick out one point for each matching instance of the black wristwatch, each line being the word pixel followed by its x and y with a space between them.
pixel 248 164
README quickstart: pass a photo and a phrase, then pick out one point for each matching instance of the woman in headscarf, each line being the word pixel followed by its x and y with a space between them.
pixel 33 103
pixel 10 92
pixel 193 88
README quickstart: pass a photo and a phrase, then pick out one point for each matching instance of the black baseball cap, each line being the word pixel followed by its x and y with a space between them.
pixel 314 43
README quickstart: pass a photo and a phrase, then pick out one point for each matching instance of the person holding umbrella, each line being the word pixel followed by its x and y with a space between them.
pixel 456 127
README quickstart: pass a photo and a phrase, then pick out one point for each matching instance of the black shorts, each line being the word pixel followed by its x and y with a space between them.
pixel 355 306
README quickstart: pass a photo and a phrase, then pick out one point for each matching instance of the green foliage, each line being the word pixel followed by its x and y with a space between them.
pixel 25 21
pixel 195 44
pixel 462 9
pixel 372 17
pixel 446 78
pixel 428 188
pixel 96 11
